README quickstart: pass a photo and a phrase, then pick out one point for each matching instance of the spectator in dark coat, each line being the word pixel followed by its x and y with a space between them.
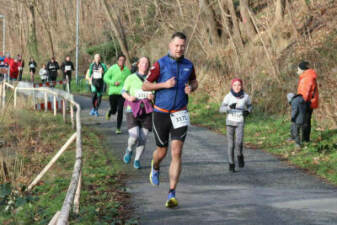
pixel 298 107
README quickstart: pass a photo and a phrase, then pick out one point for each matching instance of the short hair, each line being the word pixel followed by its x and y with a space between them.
pixel 178 35
pixel 121 55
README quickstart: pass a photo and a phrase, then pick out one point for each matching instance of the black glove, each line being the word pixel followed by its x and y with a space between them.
pixel 245 113
pixel 232 106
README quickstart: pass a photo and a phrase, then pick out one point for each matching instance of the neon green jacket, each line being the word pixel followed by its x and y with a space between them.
pixel 114 74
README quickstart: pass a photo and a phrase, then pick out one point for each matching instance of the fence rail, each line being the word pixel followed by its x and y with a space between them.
pixel 73 192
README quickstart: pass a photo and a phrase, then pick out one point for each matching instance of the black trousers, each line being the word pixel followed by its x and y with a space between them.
pixel 116 105
pixel 307 124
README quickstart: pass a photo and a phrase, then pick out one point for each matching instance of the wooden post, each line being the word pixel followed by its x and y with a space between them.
pixel 15 96
pixel 45 101
pixel 55 109
pixel 72 115
pixel 52 161
pixel 64 110
pixel 54 219
pixel 4 95
pixel 2 84
pixel 77 196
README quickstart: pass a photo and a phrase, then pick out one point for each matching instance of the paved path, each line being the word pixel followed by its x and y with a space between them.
pixel 266 192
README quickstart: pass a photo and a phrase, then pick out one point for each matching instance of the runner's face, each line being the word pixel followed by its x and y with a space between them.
pixel 121 61
pixel 143 66
pixel 97 58
pixel 177 47
pixel 236 87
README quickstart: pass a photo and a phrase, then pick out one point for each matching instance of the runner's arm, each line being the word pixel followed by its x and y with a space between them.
pixel 224 108
pixel 150 85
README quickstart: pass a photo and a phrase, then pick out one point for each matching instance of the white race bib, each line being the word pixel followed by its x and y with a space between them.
pixel 67 68
pixel 20 68
pixel 31 66
pixel 180 119
pixel 235 116
pixel 97 74
pixel 140 94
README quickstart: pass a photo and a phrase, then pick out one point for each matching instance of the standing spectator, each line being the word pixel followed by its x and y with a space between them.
pixel 13 69
pixel 237 105
pixel 21 65
pixel 298 107
pixel 52 68
pixel 67 67
pixel 115 78
pixel 96 73
pixel 43 73
pixel 32 68
pixel 308 88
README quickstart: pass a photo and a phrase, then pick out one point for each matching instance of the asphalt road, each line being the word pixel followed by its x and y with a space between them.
pixel 266 192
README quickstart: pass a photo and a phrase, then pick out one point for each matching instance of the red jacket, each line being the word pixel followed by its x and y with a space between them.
pixel 14 69
pixel 308 88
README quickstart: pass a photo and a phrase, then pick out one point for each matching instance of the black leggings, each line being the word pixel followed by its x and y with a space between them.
pixel 96 99
pixel 116 105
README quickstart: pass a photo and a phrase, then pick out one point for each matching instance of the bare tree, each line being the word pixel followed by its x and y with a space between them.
pixel 279 10
pixel 236 28
pixel 118 34
pixel 208 14
pixel 247 22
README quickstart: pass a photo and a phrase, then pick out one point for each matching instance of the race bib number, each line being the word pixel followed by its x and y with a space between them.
pixel 97 74
pixel 235 116
pixel 67 68
pixel 140 94
pixel 180 119
pixel 32 66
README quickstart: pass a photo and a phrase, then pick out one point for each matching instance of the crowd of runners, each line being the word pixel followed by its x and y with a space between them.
pixel 156 98
pixel 12 69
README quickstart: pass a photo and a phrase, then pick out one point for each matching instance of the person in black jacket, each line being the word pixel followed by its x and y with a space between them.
pixel 52 67
pixel 32 68
pixel 298 109
pixel 67 67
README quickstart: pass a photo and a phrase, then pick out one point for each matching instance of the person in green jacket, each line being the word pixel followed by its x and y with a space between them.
pixel 97 71
pixel 114 78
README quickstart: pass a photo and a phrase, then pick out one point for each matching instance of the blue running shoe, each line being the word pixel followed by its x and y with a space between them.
pixel 96 113
pixel 154 175
pixel 136 164
pixel 127 157
pixel 92 112
pixel 171 202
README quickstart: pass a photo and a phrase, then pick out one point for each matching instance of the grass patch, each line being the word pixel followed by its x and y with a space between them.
pixel 270 132
pixel 35 137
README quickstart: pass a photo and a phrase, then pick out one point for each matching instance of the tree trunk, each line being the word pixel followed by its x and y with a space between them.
pixel 247 22
pixel 208 14
pixel 279 10
pixel 32 37
pixel 305 5
pixel 236 28
pixel 118 34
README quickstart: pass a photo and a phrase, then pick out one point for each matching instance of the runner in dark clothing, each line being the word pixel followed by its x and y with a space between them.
pixel 96 73
pixel 32 68
pixel 67 67
pixel 52 67
pixel 21 65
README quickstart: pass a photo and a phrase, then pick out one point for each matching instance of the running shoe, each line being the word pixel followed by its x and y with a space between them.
pixel 136 164
pixel 92 112
pixel 154 175
pixel 118 131
pixel 96 113
pixel 127 157
pixel 171 202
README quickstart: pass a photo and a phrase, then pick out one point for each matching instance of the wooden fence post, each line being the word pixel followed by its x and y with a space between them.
pixel 64 110
pixel 55 109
